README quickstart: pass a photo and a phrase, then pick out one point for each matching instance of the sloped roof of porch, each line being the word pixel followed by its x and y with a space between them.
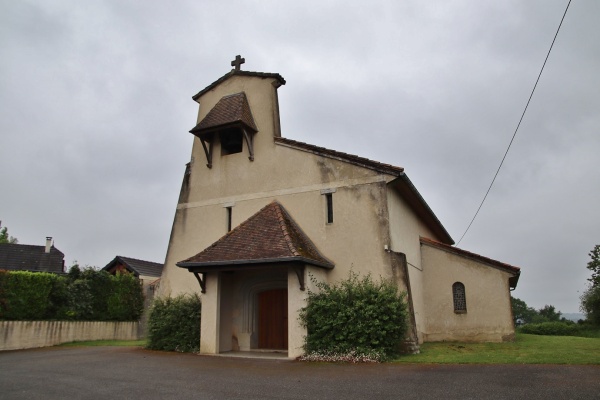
pixel 269 236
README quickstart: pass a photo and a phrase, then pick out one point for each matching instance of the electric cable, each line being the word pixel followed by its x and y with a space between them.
pixel 517 129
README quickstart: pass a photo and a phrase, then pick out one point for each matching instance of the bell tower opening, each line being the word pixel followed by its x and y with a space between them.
pixel 232 141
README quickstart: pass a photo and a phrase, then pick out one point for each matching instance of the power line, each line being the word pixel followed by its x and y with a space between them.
pixel 518 125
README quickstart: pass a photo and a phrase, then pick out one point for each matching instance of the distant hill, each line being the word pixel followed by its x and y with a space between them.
pixel 573 316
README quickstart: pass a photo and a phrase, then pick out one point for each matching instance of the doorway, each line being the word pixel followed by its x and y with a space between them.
pixel 273 319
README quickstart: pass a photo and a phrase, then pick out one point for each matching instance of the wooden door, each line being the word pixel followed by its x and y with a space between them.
pixel 273 319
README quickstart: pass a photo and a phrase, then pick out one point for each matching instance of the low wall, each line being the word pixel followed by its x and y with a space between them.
pixel 16 335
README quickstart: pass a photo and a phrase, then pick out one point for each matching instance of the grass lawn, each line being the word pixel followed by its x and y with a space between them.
pixel 135 343
pixel 527 349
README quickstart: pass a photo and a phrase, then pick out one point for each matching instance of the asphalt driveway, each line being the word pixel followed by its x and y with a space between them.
pixel 134 373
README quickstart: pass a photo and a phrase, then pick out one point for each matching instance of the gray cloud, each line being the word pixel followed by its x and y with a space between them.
pixel 96 107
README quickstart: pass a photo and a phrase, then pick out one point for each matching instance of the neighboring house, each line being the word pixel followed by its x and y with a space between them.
pixel 261 218
pixel 146 271
pixel 25 257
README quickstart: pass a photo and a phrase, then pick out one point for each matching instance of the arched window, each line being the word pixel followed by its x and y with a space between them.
pixel 460 298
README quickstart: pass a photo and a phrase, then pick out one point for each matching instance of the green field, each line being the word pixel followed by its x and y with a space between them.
pixel 526 349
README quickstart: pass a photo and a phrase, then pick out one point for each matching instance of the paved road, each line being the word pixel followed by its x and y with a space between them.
pixel 133 373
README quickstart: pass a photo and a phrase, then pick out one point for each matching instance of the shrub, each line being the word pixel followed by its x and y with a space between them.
pixel 551 329
pixel 126 300
pixel 87 295
pixel 25 294
pixel 356 316
pixel 174 324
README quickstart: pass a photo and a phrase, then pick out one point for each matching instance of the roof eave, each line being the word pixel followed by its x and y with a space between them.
pixel 239 264
pixel 124 262
pixel 278 78
pixel 414 198
pixel 340 156
pixel 211 129
pixel 511 269
pixel 513 280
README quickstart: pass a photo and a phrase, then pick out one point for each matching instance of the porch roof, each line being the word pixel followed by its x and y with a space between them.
pixel 269 236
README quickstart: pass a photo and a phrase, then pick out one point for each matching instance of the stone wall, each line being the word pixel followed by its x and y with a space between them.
pixel 16 335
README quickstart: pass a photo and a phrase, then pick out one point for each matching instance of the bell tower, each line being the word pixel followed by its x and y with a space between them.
pixel 236 108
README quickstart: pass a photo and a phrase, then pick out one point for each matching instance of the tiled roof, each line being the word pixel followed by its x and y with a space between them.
pixel 233 72
pixel 232 109
pixel 464 253
pixel 270 235
pixel 351 158
pixel 25 257
pixel 138 267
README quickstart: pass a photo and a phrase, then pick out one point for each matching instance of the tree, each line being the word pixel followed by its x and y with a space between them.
pixel 590 304
pixel 550 313
pixel 590 299
pixel 594 266
pixel 522 314
pixel 4 238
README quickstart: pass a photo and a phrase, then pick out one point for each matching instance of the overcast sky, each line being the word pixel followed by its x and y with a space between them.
pixel 95 109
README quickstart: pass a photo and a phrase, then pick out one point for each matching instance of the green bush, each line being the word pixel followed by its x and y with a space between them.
pixel 125 302
pixel 551 329
pixel 174 324
pixel 88 295
pixel 25 294
pixel 356 315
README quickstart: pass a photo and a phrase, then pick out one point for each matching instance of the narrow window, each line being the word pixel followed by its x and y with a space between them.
pixel 328 193
pixel 460 298
pixel 329 198
pixel 229 211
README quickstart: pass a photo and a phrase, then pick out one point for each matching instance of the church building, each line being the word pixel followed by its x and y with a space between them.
pixel 262 217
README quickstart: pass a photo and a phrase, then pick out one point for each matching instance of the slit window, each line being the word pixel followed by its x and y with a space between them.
pixel 460 298
pixel 229 212
pixel 329 200
pixel 328 193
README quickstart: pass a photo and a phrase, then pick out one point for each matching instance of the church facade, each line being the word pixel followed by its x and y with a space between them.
pixel 261 218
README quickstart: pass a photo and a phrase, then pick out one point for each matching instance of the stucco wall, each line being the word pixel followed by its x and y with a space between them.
pixel 16 335
pixel 291 176
pixel 488 316
pixel 360 215
pixel 405 230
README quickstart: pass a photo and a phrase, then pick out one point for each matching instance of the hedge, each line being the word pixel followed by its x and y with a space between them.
pixel 87 295
pixel 551 329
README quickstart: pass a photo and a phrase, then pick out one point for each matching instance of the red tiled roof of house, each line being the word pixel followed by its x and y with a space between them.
pixel 231 109
pixel 465 253
pixel 270 235
pixel 351 158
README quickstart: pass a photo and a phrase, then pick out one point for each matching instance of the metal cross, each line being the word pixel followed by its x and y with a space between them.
pixel 238 62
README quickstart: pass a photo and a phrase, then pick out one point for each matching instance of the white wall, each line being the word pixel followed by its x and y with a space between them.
pixel 31 334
